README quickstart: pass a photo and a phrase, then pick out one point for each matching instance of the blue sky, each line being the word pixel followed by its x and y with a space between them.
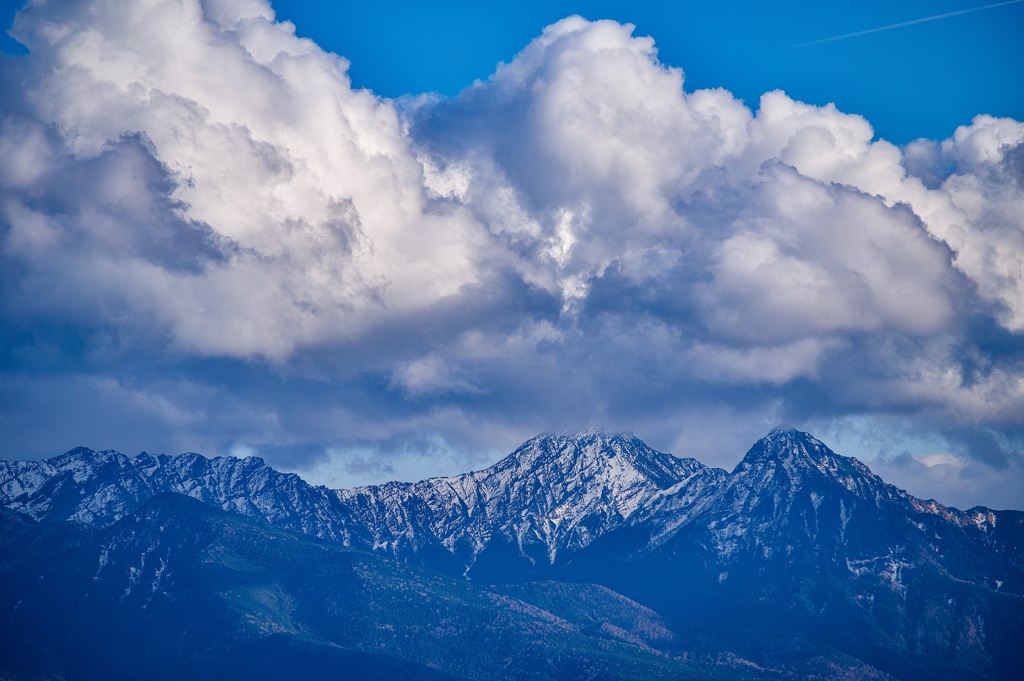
pixel 396 241
pixel 913 81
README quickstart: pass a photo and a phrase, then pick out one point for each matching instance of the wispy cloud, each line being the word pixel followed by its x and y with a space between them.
pixel 912 22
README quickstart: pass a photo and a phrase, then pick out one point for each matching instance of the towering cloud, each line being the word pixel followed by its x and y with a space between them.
pixel 577 237
pixel 303 208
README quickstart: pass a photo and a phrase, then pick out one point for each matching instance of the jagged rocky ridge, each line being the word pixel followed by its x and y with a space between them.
pixel 791 490
pixel 798 538
pixel 814 543
pixel 552 496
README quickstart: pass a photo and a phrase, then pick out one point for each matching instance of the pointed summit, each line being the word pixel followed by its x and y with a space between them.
pixel 614 458
pixel 554 495
pixel 787 488
pixel 796 454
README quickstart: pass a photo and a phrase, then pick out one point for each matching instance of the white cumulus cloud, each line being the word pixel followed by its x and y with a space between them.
pixel 191 185
pixel 308 193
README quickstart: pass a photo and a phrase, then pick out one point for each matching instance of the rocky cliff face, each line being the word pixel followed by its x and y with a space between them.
pixel 552 496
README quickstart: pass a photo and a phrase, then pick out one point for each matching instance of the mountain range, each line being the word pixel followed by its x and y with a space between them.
pixel 585 555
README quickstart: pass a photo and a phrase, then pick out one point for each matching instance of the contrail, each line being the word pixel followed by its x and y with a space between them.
pixel 890 27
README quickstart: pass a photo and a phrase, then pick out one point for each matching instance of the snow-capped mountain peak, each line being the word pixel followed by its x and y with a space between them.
pixel 798 456
pixel 549 499
pixel 556 492
pixel 612 460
